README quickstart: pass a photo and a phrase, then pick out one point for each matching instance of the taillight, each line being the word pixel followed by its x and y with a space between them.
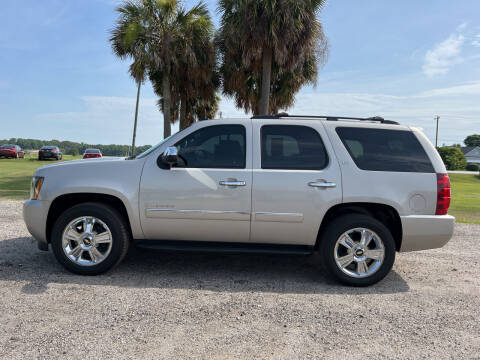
pixel 54 151
pixel 443 194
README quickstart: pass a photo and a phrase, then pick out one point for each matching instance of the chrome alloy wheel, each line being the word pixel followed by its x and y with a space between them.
pixel 87 241
pixel 359 252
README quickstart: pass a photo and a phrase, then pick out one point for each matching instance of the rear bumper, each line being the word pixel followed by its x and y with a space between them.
pixel 35 217
pixel 8 153
pixel 421 232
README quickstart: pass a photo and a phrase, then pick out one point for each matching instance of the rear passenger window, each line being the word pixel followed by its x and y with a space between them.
pixel 292 147
pixel 385 150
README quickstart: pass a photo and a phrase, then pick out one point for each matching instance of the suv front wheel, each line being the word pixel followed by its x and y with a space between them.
pixel 90 238
pixel 357 250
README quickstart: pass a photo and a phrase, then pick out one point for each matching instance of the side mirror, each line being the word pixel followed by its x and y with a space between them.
pixel 170 155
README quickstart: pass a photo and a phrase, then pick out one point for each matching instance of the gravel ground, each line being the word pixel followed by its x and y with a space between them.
pixel 161 305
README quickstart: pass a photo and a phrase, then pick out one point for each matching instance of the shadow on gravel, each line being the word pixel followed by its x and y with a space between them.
pixel 21 261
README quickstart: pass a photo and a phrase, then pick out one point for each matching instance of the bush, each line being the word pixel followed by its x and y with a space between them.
pixel 452 157
pixel 472 167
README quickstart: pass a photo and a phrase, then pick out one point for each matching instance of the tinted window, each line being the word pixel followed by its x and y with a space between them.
pixel 7 146
pixel 292 147
pixel 218 146
pixel 92 151
pixel 385 150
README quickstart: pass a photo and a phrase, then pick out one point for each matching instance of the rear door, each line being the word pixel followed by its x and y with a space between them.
pixel 385 164
pixel 296 179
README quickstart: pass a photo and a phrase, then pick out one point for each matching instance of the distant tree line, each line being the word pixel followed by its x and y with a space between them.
pixel 74 148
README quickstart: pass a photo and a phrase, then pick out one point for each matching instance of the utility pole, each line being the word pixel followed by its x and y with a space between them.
pixel 436 136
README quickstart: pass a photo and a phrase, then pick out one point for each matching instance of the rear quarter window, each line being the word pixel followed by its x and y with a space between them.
pixel 385 150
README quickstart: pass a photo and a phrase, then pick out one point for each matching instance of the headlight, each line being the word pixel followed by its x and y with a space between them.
pixel 37 183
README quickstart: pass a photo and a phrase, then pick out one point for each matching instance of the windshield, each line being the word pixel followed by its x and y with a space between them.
pixel 153 148
pixel 7 146
pixel 92 151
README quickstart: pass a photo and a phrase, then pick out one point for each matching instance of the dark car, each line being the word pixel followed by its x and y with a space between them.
pixel 11 151
pixel 92 153
pixel 50 152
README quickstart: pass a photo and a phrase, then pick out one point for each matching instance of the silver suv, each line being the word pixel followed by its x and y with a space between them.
pixel 355 190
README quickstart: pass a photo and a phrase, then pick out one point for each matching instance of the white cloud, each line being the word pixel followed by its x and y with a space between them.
pixel 105 120
pixel 462 27
pixel 457 106
pixel 439 60
pixel 476 41
pixel 110 119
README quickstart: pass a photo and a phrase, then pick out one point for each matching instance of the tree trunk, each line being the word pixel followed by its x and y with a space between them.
pixel 132 153
pixel 183 111
pixel 266 75
pixel 166 106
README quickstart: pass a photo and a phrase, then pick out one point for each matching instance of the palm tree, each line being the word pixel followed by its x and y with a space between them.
pixel 129 41
pixel 152 32
pixel 196 77
pixel 281 47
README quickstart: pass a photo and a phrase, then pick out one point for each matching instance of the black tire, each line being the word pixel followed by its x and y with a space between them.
pixel 339 226
pixel 118 229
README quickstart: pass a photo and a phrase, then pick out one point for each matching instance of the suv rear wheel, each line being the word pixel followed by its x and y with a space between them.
pixel 90 238
pixel 357 250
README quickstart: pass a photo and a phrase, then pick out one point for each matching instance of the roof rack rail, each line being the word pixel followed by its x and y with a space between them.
pixel 327 117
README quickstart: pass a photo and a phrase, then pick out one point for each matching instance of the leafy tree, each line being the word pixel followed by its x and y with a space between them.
pixel 452 157
pixel 472 140
pixel 280 48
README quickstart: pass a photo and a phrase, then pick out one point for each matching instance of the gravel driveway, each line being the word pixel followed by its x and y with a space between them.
pixel 161 305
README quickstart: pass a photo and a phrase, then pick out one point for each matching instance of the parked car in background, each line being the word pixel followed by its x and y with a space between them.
pixel 92 153
pixel 11 151
pixel 50 152
pixel 354 190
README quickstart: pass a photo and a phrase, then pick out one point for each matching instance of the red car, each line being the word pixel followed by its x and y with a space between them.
pixel 92 153
pixel 13 151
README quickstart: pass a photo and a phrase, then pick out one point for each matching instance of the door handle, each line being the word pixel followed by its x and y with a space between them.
pixel 322 184
pixel 232 183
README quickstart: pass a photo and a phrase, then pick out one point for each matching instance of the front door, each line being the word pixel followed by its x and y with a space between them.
pixel 296 179
pixel 207 195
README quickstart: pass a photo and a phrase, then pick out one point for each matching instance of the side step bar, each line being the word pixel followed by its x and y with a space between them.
pixel 225 248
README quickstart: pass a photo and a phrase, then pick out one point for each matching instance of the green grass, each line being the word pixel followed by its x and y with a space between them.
pixel 465 204
pixel 16 174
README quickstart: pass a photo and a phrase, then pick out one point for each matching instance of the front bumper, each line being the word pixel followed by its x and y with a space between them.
pixel 35 217
pixel 421 232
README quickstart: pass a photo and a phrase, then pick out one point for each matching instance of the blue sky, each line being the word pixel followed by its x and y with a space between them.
pixel 404 60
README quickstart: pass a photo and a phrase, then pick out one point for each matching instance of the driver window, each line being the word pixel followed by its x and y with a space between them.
pixel 217 146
